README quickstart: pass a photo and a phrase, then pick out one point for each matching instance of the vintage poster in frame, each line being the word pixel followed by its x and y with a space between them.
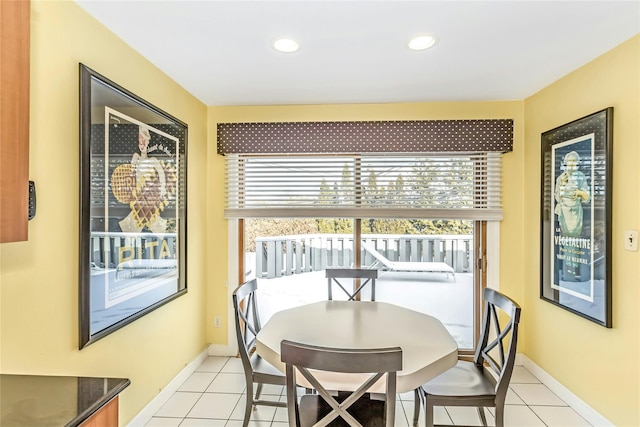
pixel 132 207
pixel 576 216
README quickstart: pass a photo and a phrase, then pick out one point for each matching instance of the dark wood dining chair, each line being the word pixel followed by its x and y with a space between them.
pixel 365 276
pixel 346 408
pixel 256 370
pixel 485 381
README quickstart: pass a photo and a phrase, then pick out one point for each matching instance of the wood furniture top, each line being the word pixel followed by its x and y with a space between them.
pixel 427 347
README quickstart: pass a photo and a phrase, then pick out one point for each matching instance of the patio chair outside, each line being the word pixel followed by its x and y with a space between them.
pixel 408 266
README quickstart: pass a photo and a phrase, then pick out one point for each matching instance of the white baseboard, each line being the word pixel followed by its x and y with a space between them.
pixel 152 407
pixel 588 413
pixel 222 350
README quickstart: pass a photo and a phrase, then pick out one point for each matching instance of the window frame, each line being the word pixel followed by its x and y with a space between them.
pixel 486 256
pixel 485 237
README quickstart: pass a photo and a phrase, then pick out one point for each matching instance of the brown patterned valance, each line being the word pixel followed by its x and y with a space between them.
pixel 366 137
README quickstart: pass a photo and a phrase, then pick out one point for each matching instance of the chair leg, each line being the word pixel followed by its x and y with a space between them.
pixel 428 412
pixel 258 391
pixel 417 403
pixel 249 404
pixel 483 418
pixel 499 415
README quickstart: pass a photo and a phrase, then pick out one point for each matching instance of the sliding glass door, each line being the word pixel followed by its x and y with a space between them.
pixel 424 265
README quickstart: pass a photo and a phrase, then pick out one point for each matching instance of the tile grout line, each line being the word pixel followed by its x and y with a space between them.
pixel 408 418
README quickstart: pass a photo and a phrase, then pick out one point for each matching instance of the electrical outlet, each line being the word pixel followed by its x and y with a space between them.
pixel 631 240
pixel 217 322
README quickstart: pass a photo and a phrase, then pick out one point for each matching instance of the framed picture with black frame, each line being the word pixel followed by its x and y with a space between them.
pixel 133 175
pixel 576 216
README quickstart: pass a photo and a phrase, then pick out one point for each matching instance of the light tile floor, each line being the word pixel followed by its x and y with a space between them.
pixel 214 396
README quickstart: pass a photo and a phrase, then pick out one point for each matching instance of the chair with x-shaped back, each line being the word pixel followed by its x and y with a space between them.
pixel 256 370
pixel 473 383
pixel 360 276
pixel 357 408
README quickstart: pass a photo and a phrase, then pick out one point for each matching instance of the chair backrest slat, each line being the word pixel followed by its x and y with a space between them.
pixel 303 358
pixel 247 320
pixel 498 338
pixel 342 360
pixel 365 275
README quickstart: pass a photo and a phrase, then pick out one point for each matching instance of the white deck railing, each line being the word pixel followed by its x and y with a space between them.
pixel 285 255
pixel 114 250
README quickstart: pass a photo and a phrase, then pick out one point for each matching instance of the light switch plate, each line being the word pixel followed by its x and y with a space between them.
pixel 631 240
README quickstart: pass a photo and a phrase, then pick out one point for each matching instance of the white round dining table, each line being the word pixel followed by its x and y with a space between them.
pixel 427 347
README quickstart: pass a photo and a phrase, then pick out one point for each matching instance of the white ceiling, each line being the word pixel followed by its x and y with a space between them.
pixel 355 51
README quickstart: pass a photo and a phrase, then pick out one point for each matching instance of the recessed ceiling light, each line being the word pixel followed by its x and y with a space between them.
pixel 422 42
pixel 285 45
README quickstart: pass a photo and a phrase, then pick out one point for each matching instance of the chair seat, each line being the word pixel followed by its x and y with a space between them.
pixel 464 379
pixel 370 413
pixel 265 372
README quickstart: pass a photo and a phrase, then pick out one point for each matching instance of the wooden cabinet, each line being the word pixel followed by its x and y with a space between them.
pixel 107 416
pixel 14 119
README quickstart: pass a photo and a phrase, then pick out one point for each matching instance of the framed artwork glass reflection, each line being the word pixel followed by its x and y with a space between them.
pixel 576 217
pixel 132 207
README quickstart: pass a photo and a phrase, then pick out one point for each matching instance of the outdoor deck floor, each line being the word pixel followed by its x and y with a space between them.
pixel 435 294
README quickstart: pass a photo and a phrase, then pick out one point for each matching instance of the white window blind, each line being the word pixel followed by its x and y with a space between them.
pixel 427 185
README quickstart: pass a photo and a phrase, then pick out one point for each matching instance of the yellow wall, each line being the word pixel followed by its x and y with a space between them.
pixel 510 272
pixel 39 278
pixel 601 366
